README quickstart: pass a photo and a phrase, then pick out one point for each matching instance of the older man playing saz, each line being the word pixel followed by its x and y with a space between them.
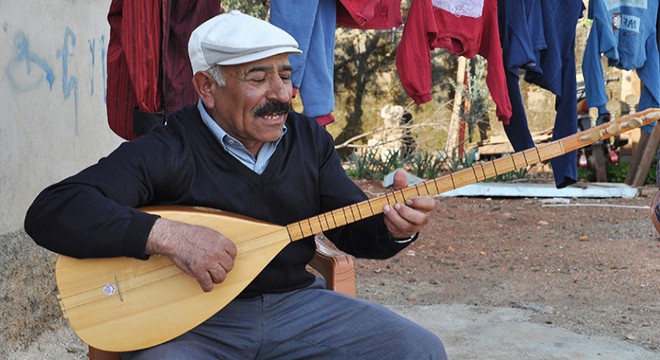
pixel 240 149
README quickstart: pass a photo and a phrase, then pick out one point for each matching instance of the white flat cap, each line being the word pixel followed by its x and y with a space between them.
pixel 235 38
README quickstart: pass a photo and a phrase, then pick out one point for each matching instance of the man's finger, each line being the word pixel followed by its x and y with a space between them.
pixel 218 274
pixel 205 281
pixel 400 180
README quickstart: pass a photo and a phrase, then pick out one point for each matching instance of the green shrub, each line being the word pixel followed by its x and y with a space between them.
pixel 361 164
pixel 427 164
pixel 617 173
pixel 368 164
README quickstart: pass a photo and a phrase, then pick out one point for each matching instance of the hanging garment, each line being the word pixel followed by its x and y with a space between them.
pixel 148 68
pixel 523 38
pixel 312 23
pixel 180 18
pixel 464 28
pixel 369 14
pixel 548 31
pixel 625 32
pixel 522 34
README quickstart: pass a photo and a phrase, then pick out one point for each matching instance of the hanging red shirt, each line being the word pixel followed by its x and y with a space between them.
pixel 465 28
pixel 369 14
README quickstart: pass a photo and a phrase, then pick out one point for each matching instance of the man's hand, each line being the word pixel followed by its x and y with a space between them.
pixel 404 220
pixel 198 251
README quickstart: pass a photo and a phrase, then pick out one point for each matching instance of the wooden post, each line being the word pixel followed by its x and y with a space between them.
pixel 452 132
pixel 638 151
pixel 648 152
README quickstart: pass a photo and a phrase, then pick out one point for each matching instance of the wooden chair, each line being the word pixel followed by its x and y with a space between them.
pixel 336 267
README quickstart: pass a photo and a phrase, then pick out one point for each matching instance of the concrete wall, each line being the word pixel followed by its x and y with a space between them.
pixel 52 96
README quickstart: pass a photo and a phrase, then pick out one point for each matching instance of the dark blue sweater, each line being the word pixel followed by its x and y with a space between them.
pixel 92 214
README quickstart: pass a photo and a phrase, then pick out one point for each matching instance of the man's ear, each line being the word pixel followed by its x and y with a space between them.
pixel 203 82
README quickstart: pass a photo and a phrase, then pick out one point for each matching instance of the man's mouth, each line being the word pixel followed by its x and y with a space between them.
pixel 274 115
pixel 272 110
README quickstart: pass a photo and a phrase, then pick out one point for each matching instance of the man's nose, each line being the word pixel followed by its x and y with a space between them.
pixel 280 90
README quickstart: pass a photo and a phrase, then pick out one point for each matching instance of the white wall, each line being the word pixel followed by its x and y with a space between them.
pixel 52 96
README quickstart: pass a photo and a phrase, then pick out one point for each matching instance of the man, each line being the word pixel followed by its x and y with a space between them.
pixel 239 149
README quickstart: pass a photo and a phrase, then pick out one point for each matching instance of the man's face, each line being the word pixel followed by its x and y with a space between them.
pixel 252 106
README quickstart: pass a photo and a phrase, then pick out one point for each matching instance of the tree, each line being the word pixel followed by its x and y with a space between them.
pixel 363 61
pixel 366 75
pixel 256 8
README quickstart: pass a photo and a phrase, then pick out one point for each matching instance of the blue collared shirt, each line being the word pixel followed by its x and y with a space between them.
pixel 236 148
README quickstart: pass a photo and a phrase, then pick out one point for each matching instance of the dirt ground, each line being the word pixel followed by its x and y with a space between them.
pixel 591 266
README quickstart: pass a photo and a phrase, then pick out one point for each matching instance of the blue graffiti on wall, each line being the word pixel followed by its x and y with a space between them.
pixel 27 70
pixel 104 68
pixel 92 53
pixel 69 84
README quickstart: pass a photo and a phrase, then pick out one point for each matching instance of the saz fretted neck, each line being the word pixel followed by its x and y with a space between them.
pixel 474 174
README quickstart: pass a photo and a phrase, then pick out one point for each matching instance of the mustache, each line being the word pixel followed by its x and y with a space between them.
pixel 271 107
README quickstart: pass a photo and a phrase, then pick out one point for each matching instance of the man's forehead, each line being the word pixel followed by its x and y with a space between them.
pixel 274 63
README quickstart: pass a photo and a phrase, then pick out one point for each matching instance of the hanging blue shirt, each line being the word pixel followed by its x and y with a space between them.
pixel 625 32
